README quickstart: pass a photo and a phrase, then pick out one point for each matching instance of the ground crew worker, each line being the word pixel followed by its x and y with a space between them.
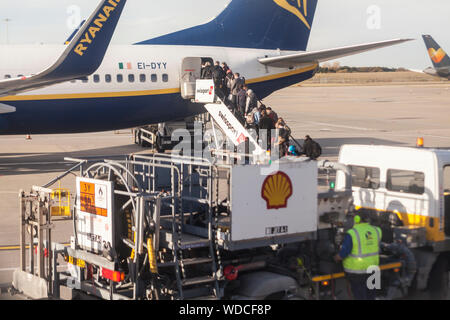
pixel 360 250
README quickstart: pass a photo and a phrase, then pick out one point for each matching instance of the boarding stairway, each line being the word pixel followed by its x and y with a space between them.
pixel 225 120
pixel 231 126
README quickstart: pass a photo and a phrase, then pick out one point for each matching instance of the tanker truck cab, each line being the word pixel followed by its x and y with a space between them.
pixel 407 192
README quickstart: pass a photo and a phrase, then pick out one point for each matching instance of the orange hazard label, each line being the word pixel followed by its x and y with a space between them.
pixel 87 200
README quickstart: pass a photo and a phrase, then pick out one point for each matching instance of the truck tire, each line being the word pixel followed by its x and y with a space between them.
pixel 158 145
pixel 439 280
pixel 139 138
pixel 136 137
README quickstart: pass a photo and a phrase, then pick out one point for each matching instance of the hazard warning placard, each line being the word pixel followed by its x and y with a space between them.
pixel 94 213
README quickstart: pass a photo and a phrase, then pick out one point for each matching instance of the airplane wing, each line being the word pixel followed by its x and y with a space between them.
pixel 82 56
pixel 306 58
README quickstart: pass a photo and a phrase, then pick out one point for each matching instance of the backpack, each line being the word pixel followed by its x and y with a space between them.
pixel 251 116
pixel 207 73
pixel 218 74
pixel 316 150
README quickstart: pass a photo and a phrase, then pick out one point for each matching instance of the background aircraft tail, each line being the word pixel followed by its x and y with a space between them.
pixel 258 24
pixel 437 54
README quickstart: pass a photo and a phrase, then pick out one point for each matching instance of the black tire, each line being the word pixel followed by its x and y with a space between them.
pixel 158 145
pixel 439 280
pixel 139 138
pixel 136 137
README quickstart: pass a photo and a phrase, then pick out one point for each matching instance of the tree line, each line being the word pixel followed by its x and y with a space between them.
pixel 337 68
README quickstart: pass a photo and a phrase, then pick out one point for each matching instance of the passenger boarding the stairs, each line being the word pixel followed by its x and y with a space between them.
pixel 236 84
pixel 219 81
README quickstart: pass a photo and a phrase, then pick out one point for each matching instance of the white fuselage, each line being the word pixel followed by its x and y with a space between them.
pixel 135 85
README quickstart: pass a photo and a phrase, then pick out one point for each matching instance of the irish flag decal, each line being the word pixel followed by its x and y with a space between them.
pixel 125 66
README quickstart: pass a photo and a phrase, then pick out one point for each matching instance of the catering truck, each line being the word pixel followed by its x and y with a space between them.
pixel 175 227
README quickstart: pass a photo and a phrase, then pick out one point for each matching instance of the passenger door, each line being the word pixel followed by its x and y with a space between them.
pixel 191 69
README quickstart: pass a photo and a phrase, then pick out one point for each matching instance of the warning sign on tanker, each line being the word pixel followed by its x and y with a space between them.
pixel 93 198
pixel 94 218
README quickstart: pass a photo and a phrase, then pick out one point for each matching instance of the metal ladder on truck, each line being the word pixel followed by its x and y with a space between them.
pixel 176 234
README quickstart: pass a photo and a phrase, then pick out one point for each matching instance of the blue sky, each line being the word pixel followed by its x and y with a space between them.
pixel 337 23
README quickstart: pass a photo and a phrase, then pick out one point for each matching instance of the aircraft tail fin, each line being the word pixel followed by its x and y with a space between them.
pixel 256 24
pixel 74 33
pixel 437 54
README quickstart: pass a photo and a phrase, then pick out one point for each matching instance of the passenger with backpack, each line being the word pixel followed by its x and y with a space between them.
pixel 265 123
pixel 311 148
pixel 228 78
pixel 218 76
pixel 241 101
pixel 207 71
pixel 252 101
pixel 236 85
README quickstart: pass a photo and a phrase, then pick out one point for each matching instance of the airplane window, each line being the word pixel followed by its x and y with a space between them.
pixel 8 76
pixel 108 78
pixel 96 78
pixel 142 77
pixel 119 78
pixel 131 78
pixel 154 78
pixel 165 77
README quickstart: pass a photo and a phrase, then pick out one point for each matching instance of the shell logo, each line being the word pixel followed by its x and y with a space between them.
pixel 276 190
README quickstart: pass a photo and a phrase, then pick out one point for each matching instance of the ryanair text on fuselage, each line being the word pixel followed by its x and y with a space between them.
pixel 89 36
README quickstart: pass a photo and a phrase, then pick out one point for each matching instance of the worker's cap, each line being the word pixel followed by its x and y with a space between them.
pixel 363 215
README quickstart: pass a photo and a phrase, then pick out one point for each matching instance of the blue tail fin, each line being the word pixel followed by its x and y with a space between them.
pixel 437 54
pixel 258 24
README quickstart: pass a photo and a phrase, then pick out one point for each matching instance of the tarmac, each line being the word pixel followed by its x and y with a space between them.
pixel 332 115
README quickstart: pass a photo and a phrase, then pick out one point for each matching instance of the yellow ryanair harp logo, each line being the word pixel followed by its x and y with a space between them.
pixel 302 5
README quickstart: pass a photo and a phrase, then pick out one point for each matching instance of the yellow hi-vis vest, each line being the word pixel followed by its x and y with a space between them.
pixel 366 246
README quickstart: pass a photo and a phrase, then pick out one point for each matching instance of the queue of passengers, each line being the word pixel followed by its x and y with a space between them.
pixel 242 101
pixel 230 87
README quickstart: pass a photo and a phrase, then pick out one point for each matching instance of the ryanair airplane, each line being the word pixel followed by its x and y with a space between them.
pixel 90 87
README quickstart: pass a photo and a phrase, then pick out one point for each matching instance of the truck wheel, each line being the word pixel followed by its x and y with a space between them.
pixel 439 280
pixel 158 145
pixel 136 137
pixel 139 138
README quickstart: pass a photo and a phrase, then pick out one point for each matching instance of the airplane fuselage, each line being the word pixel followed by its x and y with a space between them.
pixel 135 85
pixel 443 72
